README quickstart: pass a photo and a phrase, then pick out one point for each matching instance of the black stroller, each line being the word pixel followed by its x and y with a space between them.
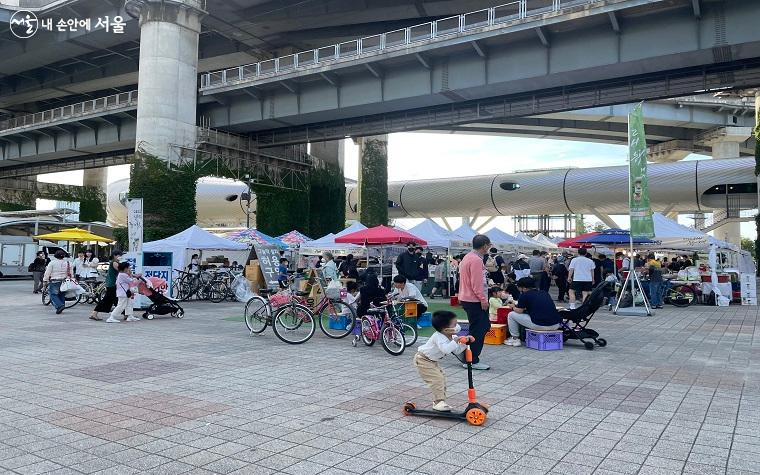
pixel 575 321
pixel 161 304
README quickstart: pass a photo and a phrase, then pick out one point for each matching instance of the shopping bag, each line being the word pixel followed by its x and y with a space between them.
pixel 333 290
pixel 68 285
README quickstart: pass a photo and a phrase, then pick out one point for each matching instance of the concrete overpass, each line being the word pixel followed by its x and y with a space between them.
pixel 470 62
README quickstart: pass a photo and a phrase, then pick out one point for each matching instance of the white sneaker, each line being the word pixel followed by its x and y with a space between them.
pixel 512 342
pixel 132 318
pixel 441 406
pixel 112 320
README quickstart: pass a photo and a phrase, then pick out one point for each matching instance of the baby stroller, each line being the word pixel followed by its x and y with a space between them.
pixel 575 321
pixel 155 289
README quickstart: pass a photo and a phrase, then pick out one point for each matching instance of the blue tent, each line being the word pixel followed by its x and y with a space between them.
pixel 615 236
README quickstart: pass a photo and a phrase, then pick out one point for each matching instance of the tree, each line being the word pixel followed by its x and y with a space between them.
pixel 749 246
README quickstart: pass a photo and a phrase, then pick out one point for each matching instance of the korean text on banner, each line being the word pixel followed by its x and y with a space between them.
pixel 135 224
pixel 638 194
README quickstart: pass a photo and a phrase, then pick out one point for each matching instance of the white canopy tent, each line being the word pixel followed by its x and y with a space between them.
pixel 529 241
pixel 545 241
pixel 435 235
pixel 327 243
pixel 669 234
pixel 183 245
pixel 505 240
pixel 462 237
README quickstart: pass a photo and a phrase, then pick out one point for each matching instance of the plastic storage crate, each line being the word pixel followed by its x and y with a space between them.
pixel 496 335
pixel 543 340
pixel 425 320
pixel 339 323
pixel 465 325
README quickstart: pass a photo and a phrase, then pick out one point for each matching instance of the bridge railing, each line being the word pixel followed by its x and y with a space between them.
pixel 72 111
pixel 518 10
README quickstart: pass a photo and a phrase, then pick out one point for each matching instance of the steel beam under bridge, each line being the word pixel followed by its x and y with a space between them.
pixel 652 86
pixel 652 50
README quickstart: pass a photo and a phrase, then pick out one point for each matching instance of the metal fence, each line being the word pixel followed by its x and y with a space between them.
pixel 516 11
pixel 85 108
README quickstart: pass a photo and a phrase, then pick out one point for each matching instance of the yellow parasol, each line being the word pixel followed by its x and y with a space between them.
pixel 73 235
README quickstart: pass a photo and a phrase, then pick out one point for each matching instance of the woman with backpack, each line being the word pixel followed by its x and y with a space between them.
pixel 494 264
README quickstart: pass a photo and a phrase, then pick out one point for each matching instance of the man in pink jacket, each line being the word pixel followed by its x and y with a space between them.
pixel 473 295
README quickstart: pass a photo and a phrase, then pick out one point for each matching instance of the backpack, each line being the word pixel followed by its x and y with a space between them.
pixel 491 264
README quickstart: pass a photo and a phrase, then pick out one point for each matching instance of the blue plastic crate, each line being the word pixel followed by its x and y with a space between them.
pixel 543 340
pixel 339 323
pixel 425 320
pixel 465 325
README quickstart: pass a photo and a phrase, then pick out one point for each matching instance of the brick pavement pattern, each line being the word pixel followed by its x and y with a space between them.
pixel 675 393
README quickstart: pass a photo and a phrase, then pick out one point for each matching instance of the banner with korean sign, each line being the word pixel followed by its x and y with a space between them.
pixel 135 224
pixel 638 194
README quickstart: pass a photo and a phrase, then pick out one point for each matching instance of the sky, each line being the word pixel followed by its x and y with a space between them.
pixel 414 156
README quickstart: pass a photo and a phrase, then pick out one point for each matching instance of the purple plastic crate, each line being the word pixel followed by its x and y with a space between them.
pixel 465 327
pixel 543 340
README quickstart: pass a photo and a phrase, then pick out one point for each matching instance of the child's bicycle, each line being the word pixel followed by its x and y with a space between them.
pixel 383 323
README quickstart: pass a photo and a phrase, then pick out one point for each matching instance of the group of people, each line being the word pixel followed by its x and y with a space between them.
pixel 120 283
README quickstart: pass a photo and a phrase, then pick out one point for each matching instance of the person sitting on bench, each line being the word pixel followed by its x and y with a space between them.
pixel 535 309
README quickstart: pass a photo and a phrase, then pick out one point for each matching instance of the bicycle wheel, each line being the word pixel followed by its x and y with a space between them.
pixel 217 291
pixel 100 294
pixel 410 334
pixel 392 339
pixel 45 296
pixel 681 295
pixel 72 301
pixel 337 319
pixel 294 324
pixel 256 314
pixel 176 291
pixel 366 331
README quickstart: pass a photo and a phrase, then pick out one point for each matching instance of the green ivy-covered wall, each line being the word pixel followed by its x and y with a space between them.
pixel 327 201
pixel 14 207
pixel 92 200
pixel 279 211
pixel 373 183
pixel 168 196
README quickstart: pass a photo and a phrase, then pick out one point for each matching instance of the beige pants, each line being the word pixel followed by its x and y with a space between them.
pixel 433 375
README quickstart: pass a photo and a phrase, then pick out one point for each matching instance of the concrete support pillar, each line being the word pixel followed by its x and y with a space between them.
pixel 373 180
pixel 333 152
pixel 725 143
pixel 168 75
pixel 96 177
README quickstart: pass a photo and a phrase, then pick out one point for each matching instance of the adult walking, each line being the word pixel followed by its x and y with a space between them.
pixel 408 265
pixel 109 299
pixel 537 265
pixel 559 273
pixel 473 296
pixel 37 268
pixel 56 272
pixel 581 276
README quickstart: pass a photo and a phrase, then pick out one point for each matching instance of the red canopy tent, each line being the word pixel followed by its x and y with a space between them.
pixel 380 235
pixel 573 242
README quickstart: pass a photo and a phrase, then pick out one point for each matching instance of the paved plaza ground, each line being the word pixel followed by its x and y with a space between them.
pixel 678 392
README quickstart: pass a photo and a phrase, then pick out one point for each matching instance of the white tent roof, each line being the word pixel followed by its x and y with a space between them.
pixel 528 241
pixel 502 239
pixel 544 241
pixel 327 242
pixel 433 233
pixel 357 226
pixel 195 239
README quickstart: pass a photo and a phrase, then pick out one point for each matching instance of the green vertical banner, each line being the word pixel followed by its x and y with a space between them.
pixel 638 194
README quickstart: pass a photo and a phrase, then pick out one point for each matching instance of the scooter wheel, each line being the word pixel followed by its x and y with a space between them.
pixel 408 408
pixel 476 416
